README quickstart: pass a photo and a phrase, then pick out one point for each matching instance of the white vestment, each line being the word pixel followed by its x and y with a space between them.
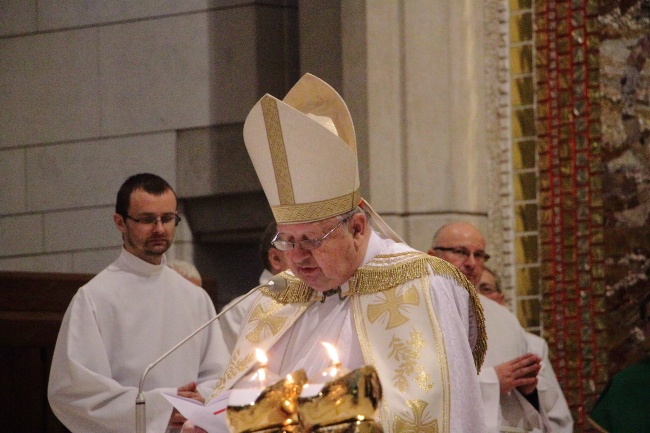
pixel 333 322
pixel 551 397
pixel 234 313
pixel 506 341
pixel 115 326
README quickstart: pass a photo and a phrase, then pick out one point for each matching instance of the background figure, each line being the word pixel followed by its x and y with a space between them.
pixel 126 317
pixel 508 378
pixel 551 397
pixel 274 263
pixel 187 270
pixel 624 404
pixel 489 285
pixel 273 259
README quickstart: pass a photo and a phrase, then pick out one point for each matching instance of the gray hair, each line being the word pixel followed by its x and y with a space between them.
pixel 187 270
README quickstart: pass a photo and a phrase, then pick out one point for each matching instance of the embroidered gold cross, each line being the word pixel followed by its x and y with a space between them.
pixel 265 319
pixel 418 421
pixel 392 304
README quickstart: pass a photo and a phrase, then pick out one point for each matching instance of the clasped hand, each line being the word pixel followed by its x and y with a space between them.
pixel 520 373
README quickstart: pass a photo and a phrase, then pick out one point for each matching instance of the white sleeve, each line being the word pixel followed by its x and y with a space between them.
pixel 506 341
pixel 490 392
pixel 551 397
pixel 451 303
pixel 81 391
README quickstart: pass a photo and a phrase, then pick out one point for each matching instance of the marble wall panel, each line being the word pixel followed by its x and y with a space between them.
pixel 57 14
pixel 22 234
pixel 17 17
pixel 50 88
pixel 178 72
pixel 93 261
pixel 12 182
pixel 38 263
pixel 80 229
pixel 90 173
pixel 384 107
pixel 155 75
pixel 443 106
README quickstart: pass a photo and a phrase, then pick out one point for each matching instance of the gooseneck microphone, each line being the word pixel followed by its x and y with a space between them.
pixel 276 284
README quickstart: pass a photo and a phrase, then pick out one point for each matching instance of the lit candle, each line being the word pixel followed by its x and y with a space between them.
pixel 260 377
pixel 335 369
pixel 261 374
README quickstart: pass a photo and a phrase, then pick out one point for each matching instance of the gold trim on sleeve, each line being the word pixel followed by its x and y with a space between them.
pixel 387 271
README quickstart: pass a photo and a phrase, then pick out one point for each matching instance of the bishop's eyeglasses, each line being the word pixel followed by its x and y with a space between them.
pixel 305 244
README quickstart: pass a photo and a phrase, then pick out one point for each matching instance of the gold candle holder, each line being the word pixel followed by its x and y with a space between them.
pixel 345 405
pixel 275 410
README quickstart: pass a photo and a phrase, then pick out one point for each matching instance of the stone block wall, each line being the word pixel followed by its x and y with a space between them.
pixel 94 91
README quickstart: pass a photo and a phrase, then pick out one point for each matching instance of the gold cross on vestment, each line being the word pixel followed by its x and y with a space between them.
pixel 265 319
pixel 392 305
pixel 418 421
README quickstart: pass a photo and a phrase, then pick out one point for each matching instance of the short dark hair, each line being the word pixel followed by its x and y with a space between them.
pixel 151 183
pixel 265 244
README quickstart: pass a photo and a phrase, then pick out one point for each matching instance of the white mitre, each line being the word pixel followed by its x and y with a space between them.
pixel 305 153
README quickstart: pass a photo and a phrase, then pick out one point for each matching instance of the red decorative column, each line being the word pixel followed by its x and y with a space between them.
pixel 571 207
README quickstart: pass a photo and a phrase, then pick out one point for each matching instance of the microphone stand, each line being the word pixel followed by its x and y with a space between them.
pixel 277 283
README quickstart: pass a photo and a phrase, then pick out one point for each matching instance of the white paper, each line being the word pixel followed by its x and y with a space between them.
pixel 210 417
pixel 311 389
pixel 243 396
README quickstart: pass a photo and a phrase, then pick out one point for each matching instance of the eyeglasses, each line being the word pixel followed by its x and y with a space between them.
pixel 487 290
pixel 152 220
pixel 465 253
pixel 305 244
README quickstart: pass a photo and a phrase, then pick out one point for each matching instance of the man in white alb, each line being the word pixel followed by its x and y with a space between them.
pixel 509 376
pixel 551 397
pixel 125 318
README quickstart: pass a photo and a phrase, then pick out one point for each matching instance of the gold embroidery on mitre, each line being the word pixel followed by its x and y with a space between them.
pixel 407 354
pixel 265 319
pixel 277 149
pixel 387 271
pixel 287 213
pixel 390 303
pixel 418 421
pixel 235 367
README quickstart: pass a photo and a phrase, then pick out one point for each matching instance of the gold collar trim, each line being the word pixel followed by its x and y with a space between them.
pixel 386 271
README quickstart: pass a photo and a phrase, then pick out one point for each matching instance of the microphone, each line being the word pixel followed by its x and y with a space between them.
pixel 276 284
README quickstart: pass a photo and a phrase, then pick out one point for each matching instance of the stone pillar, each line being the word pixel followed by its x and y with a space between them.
pixel 413 79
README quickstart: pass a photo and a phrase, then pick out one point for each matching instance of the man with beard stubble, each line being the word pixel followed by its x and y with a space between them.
pixel 126 317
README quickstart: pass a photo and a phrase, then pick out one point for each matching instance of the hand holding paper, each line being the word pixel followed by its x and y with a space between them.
pixel 210 417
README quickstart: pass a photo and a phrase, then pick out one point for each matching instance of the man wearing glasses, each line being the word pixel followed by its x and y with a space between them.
pixel 509 376
pixel 127 316
pixel 414 318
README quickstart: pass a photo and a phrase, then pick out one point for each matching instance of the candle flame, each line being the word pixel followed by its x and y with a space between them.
pixel 331 351
pixel 261 356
